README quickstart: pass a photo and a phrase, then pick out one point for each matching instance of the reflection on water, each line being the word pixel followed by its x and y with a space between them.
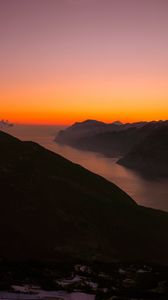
pixel 145 192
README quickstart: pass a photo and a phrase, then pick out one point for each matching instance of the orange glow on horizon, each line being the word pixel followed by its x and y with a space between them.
pixel 67 119
pixel 77 60
pixel 105 101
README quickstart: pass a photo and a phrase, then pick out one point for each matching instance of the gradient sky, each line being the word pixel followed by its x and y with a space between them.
pixel 68 60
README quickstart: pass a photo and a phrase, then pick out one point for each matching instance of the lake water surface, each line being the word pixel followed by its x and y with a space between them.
pixel 150 193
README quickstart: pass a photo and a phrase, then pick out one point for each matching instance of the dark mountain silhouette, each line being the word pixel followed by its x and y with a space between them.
pixel 110 139
pixel 150 155
pixel 81 129
pixel 54 210
pixel 141 146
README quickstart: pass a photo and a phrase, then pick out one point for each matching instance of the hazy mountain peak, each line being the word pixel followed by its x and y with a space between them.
pixel 88 122
pixel 4 123
pixel 117 123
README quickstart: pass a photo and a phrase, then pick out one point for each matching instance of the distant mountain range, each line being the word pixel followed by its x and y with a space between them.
pixel 150 155
pixel 141 146
pixel 88 129
pixel 4 123
pixel 54 210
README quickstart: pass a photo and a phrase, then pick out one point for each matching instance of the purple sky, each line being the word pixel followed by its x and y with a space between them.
pixel 78 56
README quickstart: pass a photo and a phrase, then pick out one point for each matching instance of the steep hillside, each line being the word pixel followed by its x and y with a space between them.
pixel 150 156
pixel 54 210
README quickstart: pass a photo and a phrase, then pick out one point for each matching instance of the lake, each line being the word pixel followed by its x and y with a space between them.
pixel 150 193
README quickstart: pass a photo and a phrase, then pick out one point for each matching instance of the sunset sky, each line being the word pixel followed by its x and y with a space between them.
pixel 68 60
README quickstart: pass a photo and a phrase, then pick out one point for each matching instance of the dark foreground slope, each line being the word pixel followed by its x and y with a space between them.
pixel 52 210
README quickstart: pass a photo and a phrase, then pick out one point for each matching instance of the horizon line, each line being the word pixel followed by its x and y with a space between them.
pixel 80 121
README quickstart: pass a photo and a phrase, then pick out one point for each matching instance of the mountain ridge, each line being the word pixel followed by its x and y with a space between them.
pixel 124 141
pixel 54 210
